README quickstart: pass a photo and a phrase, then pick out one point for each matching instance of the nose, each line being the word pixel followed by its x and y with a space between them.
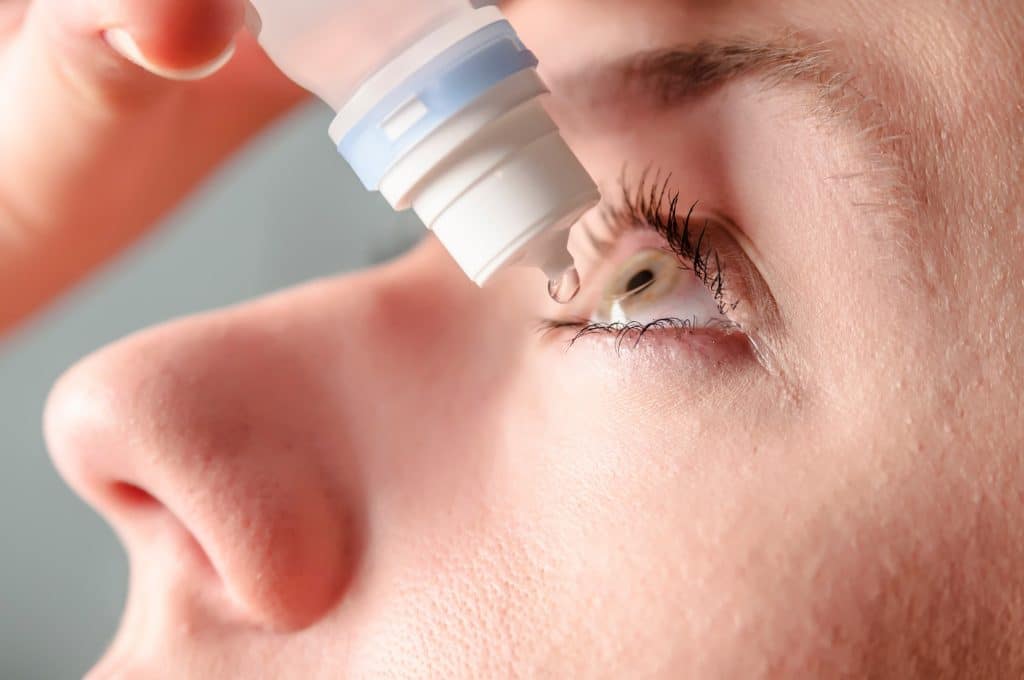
pixel 265 435
pixel 247 432
pixel 224 430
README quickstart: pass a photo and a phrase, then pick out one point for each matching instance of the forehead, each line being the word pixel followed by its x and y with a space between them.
pixel 927 67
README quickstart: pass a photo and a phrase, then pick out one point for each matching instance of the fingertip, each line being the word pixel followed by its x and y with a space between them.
pixel 125 44
pixel 178 39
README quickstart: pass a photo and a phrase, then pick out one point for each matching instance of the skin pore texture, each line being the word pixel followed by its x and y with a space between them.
pixel 396 475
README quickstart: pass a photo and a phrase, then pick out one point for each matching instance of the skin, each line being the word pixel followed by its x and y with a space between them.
pixel 392 474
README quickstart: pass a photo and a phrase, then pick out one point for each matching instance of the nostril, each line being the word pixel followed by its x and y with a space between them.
pixel 133 497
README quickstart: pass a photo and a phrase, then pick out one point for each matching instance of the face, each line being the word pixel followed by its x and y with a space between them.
pixel 778 435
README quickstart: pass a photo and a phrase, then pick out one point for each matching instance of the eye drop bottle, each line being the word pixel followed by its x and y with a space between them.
pixel 439 108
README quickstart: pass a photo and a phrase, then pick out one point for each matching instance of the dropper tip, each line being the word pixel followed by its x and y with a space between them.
pixel 566 287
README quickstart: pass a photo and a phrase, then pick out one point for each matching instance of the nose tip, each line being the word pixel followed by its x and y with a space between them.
pixel 183 422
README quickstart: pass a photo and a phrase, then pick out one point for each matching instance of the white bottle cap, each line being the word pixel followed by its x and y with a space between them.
pixel 467 144
pixel 497 193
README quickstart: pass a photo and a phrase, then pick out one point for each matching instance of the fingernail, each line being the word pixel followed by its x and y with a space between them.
pixel 125 45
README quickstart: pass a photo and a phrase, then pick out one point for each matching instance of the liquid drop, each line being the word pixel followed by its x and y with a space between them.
pixel 566 287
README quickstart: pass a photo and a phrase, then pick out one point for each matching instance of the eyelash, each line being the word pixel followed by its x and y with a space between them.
pixel 632 330
pixel 654 205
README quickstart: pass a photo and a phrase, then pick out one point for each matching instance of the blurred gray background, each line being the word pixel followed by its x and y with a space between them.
pixel 286 210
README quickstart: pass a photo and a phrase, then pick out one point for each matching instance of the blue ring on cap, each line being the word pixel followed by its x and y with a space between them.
pixel 445 86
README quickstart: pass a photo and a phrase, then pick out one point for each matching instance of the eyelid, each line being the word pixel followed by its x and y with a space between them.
pixel 651 207
pixel 755 309
pixel 702 239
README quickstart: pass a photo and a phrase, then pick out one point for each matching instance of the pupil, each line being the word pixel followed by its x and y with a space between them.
pixel 640 280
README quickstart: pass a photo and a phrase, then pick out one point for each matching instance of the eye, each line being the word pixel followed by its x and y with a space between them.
pixel 651 286
pixel 652 267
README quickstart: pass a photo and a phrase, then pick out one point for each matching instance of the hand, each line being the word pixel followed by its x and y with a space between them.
pixel 112 111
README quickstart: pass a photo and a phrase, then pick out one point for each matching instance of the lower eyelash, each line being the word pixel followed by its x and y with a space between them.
pixel 632 330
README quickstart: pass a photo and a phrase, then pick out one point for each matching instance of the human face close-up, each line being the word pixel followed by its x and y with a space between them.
pixel 776 435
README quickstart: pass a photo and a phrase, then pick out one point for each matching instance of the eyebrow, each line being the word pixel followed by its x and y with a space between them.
pixel 674 74
pixel 680 75
pixel 671 77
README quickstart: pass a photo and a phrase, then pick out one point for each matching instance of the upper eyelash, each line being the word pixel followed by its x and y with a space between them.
pixel 654 205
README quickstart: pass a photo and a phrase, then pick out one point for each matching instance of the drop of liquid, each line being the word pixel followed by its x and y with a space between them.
pixel 566 287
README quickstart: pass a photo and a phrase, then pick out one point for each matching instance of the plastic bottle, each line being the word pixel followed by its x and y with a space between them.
pixel 439 108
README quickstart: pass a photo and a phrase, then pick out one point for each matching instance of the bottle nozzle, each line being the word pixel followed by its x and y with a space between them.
pixel 564 288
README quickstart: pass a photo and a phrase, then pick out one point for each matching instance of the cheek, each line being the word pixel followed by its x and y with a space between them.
pixel 645 518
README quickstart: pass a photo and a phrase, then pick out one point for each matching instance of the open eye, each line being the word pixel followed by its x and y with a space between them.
pixel 652 285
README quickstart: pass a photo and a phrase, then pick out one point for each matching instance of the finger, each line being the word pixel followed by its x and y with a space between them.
pixel 73 103
pixel 125 44
pixel 94 147
pixel 173 39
